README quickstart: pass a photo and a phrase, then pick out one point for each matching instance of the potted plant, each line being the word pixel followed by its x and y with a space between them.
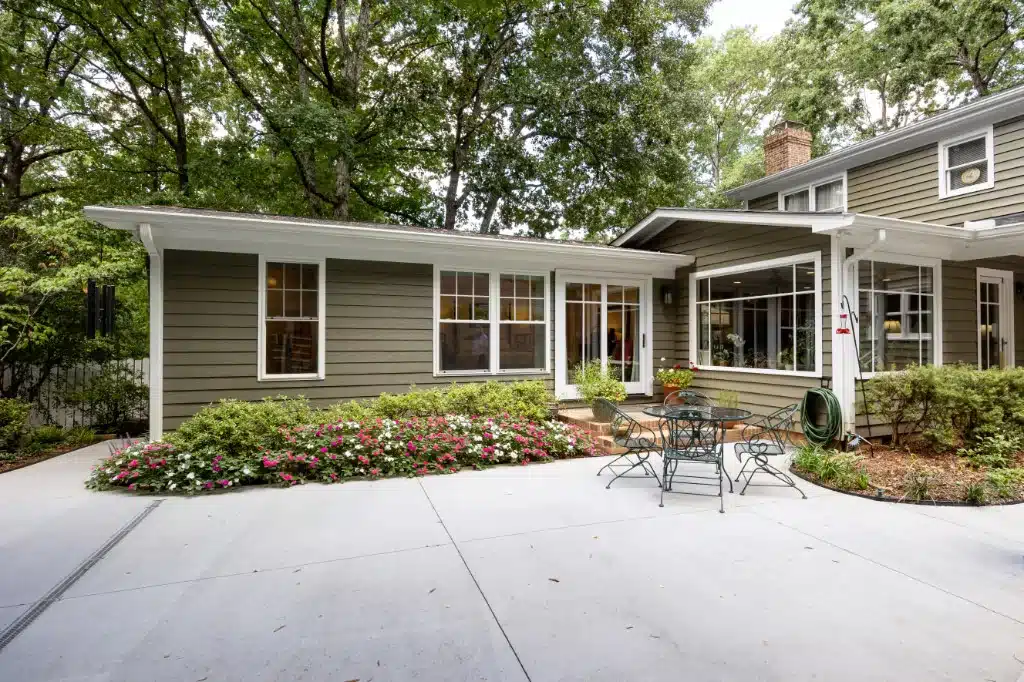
pixel 593 382
pixel 785 359
pixel 730 399
pixel 675 377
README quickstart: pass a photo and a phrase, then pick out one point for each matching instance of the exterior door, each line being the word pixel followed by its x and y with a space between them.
pixel 995 319
pixel 603 320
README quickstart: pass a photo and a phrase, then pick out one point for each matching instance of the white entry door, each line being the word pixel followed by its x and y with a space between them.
pixel 605 320
pixel 995 318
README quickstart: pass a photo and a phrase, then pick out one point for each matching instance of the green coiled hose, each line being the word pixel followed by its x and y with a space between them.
pixel 831 430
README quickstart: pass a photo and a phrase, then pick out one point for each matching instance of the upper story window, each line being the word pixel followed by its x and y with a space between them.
pixel 490 322
pixel 291 325
pixel 966 164
pixel 825 196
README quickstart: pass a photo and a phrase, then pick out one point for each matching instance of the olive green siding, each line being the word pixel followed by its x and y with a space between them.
pixel 769 202
pixel 720 245
pixel 379 332
pixel 907 185
pixel 960 308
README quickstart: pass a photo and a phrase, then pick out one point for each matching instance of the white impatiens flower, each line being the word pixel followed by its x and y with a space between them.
pixel 172 486
pixel 191 475
pixel 246 471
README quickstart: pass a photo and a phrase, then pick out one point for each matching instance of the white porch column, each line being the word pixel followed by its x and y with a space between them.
pixel 156 332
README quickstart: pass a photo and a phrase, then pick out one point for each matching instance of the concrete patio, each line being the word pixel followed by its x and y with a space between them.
pixel 517 573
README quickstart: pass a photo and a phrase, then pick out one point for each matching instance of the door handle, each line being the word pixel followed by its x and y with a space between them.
pixel 643 341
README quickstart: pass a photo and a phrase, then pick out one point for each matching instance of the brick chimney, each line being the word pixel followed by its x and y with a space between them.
pixel 786 145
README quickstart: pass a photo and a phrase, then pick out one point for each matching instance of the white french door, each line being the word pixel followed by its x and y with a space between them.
pixel 995 318
pixel 603 319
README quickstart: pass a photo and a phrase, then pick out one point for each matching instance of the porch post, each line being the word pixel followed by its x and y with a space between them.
pixel 156 333
pixel 844 363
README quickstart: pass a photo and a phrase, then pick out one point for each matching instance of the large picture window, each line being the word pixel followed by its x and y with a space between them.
pixel 491 322
pixel 291 319
pixel 897 315
pixel 763 317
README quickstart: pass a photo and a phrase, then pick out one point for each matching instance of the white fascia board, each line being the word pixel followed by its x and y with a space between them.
pixel 661 218
pixel 248 234
pixel 989 110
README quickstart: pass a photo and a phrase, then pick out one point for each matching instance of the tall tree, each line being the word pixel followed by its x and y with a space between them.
pixel 40 105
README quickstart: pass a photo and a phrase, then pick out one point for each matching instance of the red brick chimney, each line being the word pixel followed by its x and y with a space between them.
pixel 786 145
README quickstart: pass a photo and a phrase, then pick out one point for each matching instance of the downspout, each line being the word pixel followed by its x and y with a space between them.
pixel 156 332
pixel 848 386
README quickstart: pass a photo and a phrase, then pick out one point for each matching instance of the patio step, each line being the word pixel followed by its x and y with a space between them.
pixel 601 432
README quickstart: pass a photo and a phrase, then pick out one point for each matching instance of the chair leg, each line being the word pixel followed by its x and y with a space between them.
pixel 744 468
pixel 639 461
pixel 762 464
pixel 721 489
pixel 664 482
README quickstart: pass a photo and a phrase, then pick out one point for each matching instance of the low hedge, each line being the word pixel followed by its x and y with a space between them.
pixel 368 448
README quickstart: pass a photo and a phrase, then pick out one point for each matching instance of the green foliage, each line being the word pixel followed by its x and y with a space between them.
pixel 528 399
pixel 13 420
pixel 594 382
pixel 905 399
pixel 976 494
pixel 993 452
pixel 235 428
pixel 113 399
pixel 840 470
pixel 79 435
pixel 728 399
pixel 1007 483
pixel 331 452
pixel 675 377
pixel 916 485
pixel 46 438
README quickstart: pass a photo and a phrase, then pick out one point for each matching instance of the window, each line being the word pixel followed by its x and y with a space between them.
pixel 762 317
pixel 897 315
pixel 491 322
pixel 826 196
pixel 966 164
pixel 291 333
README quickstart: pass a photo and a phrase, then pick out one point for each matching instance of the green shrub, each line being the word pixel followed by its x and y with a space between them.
pixel 994 452
pixel 916 485
pixel 728 399
pixel 43 438
pixel 905 399
pixel 14 415
pixel 594 382
pixel 236 428
pixel 976 494
pixel 79 435
pixel 326 453
pixel 1007 483
pixel 113 400
pixel 840 470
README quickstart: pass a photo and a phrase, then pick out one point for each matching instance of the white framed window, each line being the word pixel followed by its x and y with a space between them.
pixel 292 312
pixel 824 196
pixel 899 304
pixel 490 322
pixel 966 164
pixel 762 317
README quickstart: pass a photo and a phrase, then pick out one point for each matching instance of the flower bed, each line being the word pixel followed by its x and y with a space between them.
pixel 326 453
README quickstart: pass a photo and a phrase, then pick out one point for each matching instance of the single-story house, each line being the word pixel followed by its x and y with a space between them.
pixel 905 248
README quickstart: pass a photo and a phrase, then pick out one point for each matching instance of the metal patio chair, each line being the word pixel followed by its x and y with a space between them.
pixel 627 433
pixel 763 438
pixel 686 397
pixel 692 436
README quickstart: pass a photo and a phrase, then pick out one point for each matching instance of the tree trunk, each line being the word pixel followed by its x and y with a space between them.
pixel 342 186
pixel 489 209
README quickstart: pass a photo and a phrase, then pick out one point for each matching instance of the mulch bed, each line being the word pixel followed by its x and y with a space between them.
pixel 35 457
pixel 949 474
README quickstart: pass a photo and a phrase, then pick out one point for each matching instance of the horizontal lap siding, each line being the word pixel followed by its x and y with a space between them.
pixel 719 245
pixel 664 343
pixel 769 202
pixel 379 332
pixel 960 308
pixel 907 186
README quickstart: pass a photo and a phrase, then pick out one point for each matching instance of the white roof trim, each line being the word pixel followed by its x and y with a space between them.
pixel 983 112
pixel 242 233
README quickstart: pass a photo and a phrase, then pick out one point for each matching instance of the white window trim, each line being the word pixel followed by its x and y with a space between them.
pixel 944 191
pixel 261 373
pixel 493 321
pixel 813 256
pixel 810 194
pixel 906 259
pixel 904 314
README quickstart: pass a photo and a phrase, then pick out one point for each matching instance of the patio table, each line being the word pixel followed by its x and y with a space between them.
pixel 694 433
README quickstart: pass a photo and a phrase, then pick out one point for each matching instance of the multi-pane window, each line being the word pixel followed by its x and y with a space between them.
pixel 465 324
pixel 475 308
pixel 522 327
pixel 759 319
pixel 291 319
pixel 897 304
pixel 828 196
pixel 966 165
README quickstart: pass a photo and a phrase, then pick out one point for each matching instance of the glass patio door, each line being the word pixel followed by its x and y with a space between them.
pixel 603 321
pixel 995 322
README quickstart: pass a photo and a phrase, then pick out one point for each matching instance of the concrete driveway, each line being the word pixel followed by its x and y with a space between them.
pixel 527 573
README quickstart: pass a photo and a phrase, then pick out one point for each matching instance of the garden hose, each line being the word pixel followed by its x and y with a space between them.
pixel 821 435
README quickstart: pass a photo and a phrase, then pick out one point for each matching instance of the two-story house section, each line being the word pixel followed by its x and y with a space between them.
pixel 905 248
